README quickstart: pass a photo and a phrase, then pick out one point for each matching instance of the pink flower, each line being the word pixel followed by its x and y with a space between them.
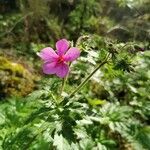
pixel 57 62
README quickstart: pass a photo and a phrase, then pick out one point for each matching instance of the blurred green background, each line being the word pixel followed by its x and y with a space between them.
pixel 26 26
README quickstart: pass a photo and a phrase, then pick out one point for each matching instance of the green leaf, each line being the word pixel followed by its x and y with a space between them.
pixel 80 133
pixel 87 144
pixel 144 137
pixel 60 142
pixel 95 102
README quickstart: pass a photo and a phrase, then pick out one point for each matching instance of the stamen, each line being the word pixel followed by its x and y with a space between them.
pixel 60 59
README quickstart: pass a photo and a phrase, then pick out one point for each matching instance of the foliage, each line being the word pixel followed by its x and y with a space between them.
pixel 87 120
pixel 111 111
pixel 74 126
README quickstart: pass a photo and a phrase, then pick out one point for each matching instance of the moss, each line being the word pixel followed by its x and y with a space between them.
pixel 14 79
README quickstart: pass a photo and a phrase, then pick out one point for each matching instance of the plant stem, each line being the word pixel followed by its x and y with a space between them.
pixel 89 76
pixel 64 81
pixel 63 84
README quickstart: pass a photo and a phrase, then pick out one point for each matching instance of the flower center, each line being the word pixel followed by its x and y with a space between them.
pixel 60 59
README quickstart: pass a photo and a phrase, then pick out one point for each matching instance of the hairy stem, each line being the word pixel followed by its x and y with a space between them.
pixel 64 81
pixel 63 85
pixel 89 76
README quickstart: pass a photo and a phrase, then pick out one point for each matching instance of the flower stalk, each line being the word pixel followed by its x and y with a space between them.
pixel 89 76
pixel 63 85
pixel 64 81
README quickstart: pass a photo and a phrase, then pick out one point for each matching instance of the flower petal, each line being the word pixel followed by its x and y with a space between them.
pixel 62 46
pixel 48 54
pixel 49 67
pixel 72 54
pixel 62 70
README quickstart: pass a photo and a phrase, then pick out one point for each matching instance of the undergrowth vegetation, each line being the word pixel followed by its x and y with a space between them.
pixel 104 101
